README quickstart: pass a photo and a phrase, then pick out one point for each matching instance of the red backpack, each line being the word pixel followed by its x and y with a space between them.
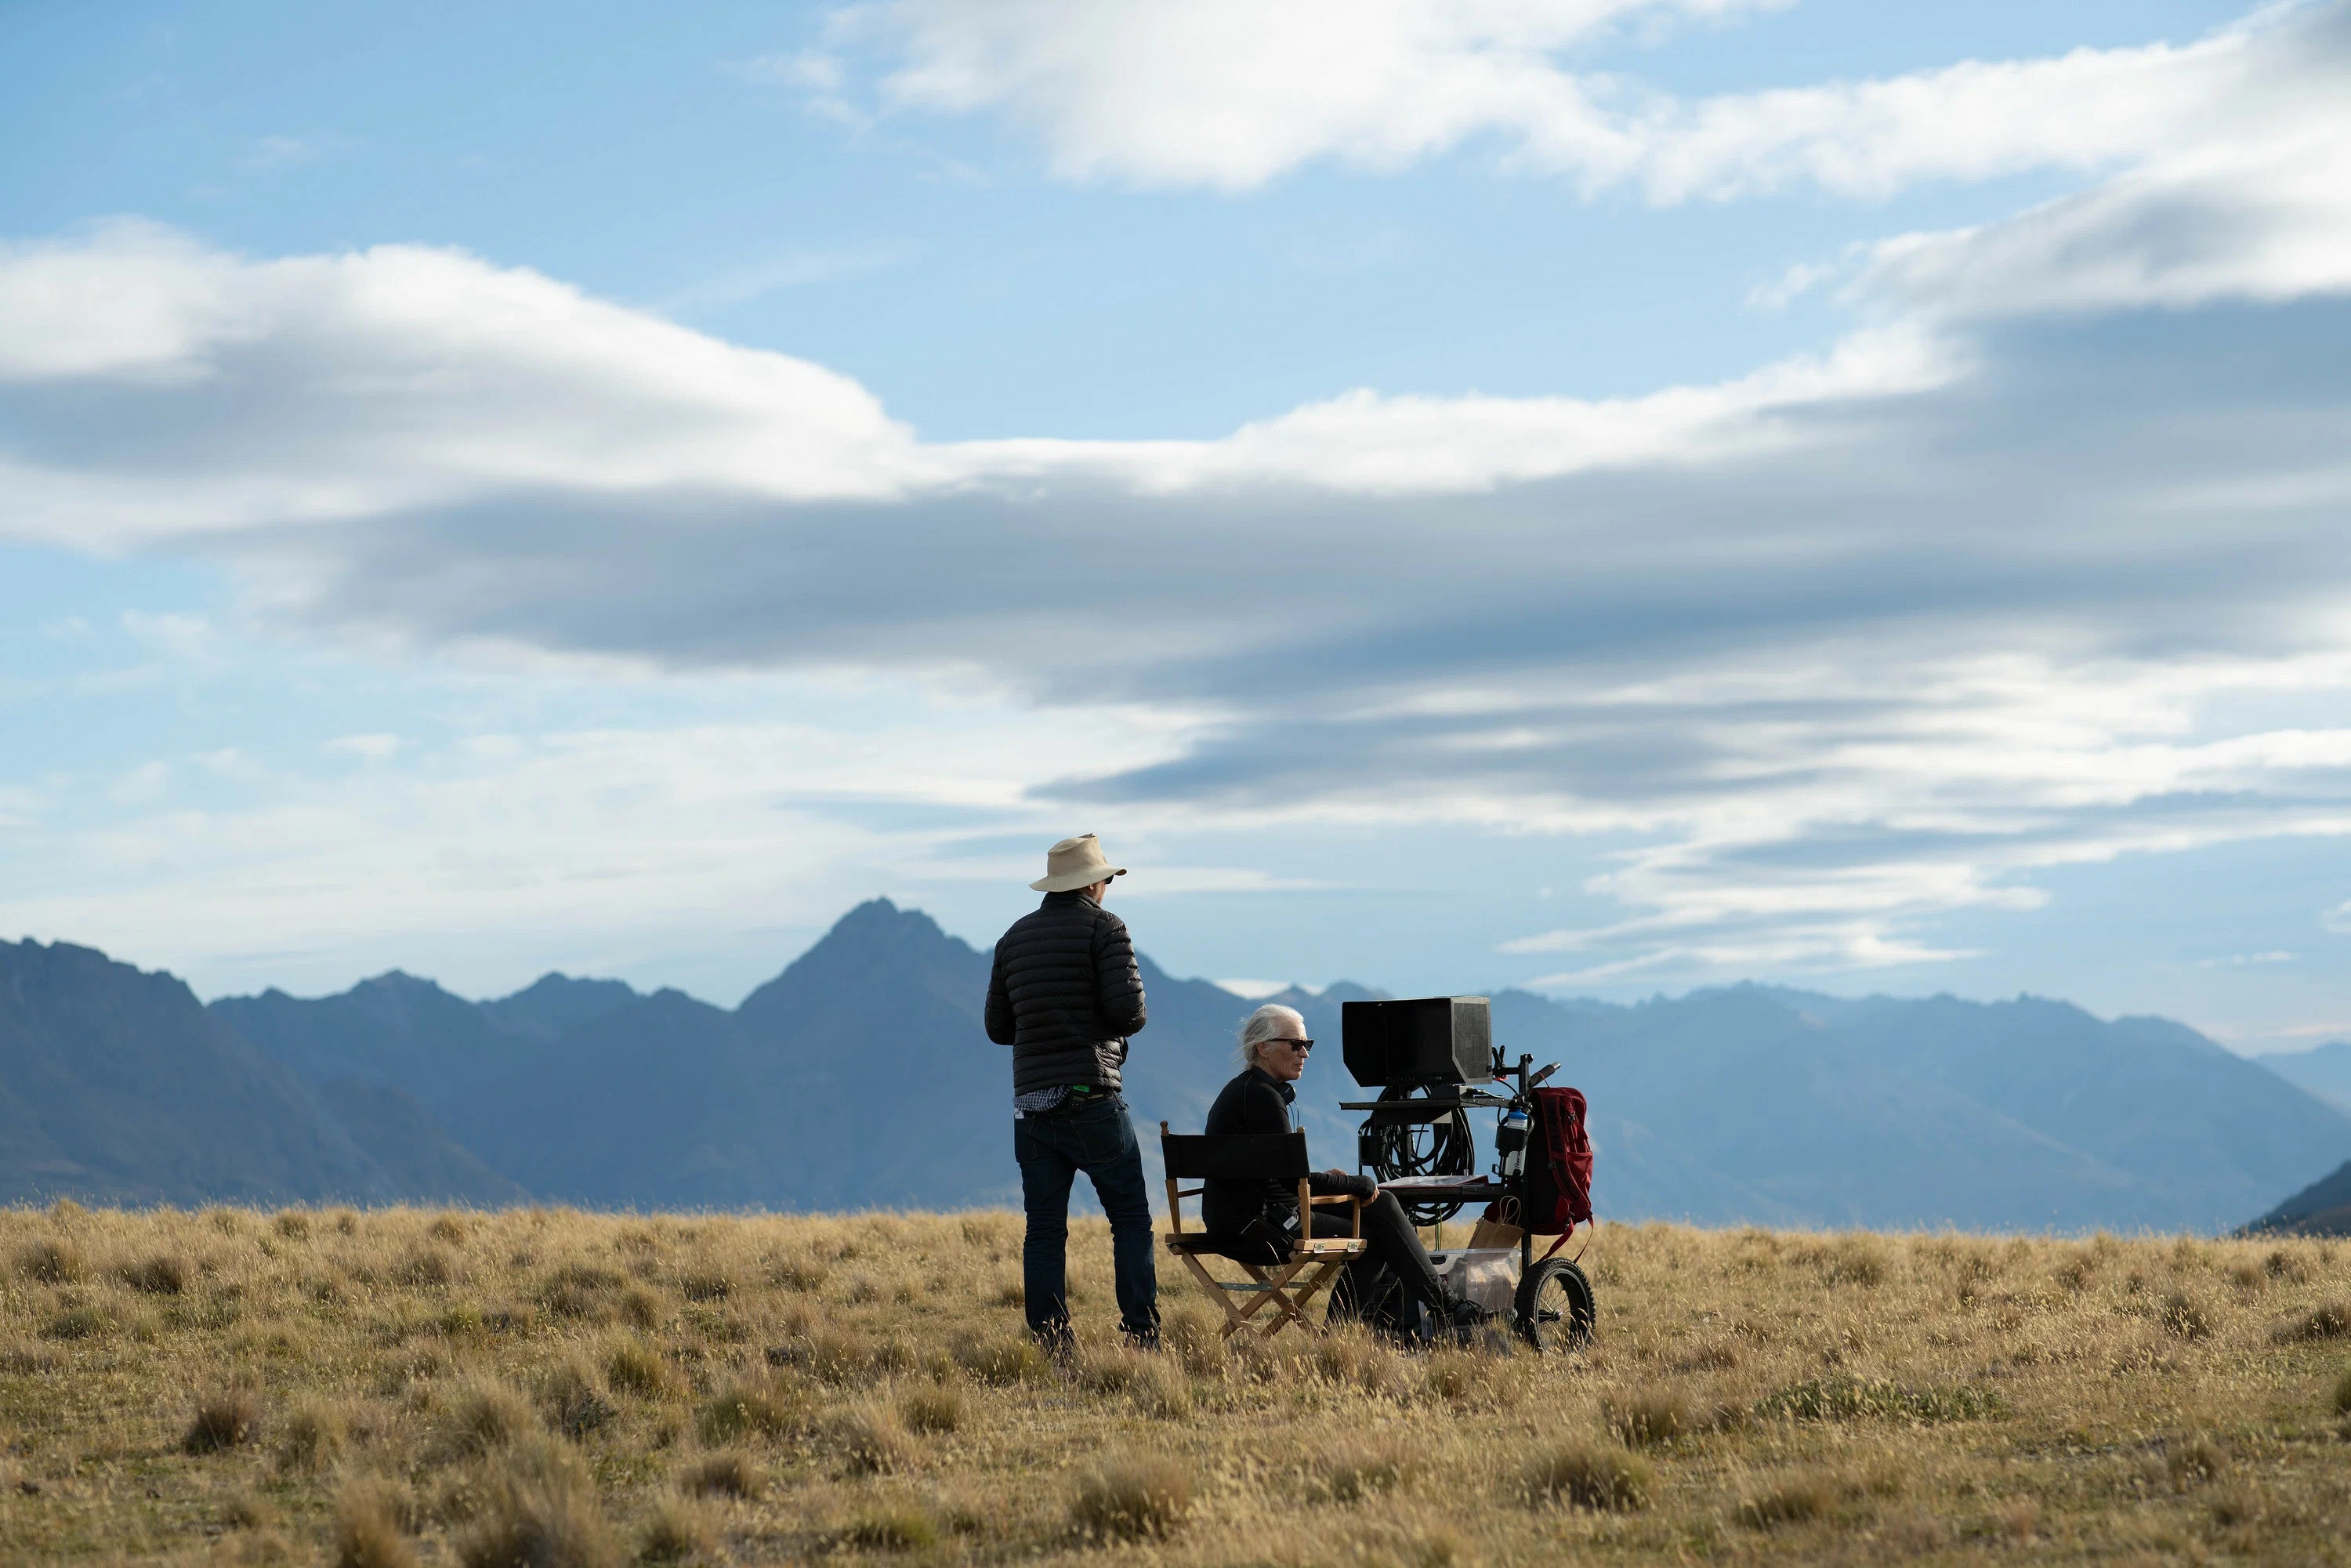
pixel 1559 1164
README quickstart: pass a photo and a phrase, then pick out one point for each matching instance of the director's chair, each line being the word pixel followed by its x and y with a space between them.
pixel 1288 1284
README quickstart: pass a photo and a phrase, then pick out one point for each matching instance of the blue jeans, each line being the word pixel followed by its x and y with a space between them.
pixel 1098 1139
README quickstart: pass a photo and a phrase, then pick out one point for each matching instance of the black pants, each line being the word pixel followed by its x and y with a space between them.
pixel 1096 1138
pixel 1392 1255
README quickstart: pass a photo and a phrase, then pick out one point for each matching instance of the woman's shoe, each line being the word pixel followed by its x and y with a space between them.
pixel 1466 1318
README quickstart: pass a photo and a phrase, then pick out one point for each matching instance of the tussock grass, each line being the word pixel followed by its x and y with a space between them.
pixel 1361 1467
pixel 484 1416
pixel 1593 1475
pixel 538 1511
pixel 2192 1460
pixel 370 1520
pixel 933 1410
pixel 1790 1498
pixel 312 1435
pixel 2186 1317
pixel 677 1530
pixel 872 1440
pixel 729 1473
pixel 561 1387
pixel 2332 1321
pixel 575 1404
pixel 223 1420
pixel 892 1526
pixel 50 1261
pixel 1644 1417
pixel 1131 1499
pixel 754 1408
pixel 157 1274
pixel 1850 1399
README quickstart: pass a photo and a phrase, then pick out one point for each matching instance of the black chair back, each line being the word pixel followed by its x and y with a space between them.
pixel 1233 1156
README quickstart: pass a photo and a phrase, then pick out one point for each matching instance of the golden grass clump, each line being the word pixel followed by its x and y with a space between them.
pixel 539 1510
pixel 311 1436
pixel 76 1322
pixel 1131 1500
pixel 226 1419
pixel 157 1274
pixel 1000 1359
pixel 2332 1321
pixel 676 1531
pixel 1471 1380
pixel 1645 1417
pixel 1361 1467
pixel 1591 1475
pixel 1787 1499
pixel 891 1525
pixel 372 1518
pixel 484 1416
pixel 2186 1317
pixel 50 1261
pixel 872 1440
pixel 933 1410
pixel 2192 1460
pixel 575 1404
pixel 728 1473
pixel 579 1388
pixel 633 1366
pixel 748 1409
pixel 1161 1390
pixel 22 1358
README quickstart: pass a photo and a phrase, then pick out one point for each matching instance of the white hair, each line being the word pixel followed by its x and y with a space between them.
pixel 1261 1026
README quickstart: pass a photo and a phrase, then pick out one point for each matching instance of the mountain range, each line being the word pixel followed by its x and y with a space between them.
pixel 2324 1071
pixel 860 1077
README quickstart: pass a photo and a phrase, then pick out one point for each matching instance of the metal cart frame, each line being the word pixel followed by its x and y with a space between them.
pixel 1554 1309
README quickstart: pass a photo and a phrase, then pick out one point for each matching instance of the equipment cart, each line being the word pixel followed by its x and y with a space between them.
pixel 1430 1057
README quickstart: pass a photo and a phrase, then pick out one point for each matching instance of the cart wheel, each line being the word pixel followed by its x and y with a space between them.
pixel 1555 1306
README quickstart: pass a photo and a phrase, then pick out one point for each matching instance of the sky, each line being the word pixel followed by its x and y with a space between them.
pixel 1609 497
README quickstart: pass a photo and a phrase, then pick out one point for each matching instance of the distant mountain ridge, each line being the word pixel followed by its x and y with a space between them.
pixel 117 1086
pixel 2324 1071
pixel 2322 1208
pixel 859 1076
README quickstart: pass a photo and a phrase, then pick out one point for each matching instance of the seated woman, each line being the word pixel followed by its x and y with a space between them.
pixel 1255 1221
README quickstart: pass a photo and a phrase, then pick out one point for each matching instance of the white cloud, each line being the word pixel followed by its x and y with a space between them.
pixel 793 268
pixel 1232 95
pixel 1254 990
pixel 2042 565
pixel 568 839
pixel 352 385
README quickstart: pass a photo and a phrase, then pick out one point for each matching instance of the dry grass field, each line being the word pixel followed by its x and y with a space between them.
pixel 548 1387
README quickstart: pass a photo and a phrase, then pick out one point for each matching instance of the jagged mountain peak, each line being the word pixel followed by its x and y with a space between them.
pixel 557 1002
pixel 876 946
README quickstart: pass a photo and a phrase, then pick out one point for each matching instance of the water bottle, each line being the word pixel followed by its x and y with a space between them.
pixel 1511 1142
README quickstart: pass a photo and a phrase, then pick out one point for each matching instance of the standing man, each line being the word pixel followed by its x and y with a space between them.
pixel 1064 994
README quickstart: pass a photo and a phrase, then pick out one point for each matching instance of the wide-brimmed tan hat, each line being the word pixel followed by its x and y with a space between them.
pixel 1073 864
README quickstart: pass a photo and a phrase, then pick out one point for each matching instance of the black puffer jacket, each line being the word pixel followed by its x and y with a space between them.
pixel 1258 1102
pixel 1064 994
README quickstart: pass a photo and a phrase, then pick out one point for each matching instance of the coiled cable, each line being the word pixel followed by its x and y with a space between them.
pixel 1443 1147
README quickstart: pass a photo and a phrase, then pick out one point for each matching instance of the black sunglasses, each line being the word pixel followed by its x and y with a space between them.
pixel 1304 1045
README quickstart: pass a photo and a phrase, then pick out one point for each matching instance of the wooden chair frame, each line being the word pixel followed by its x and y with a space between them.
pixel 1289 1286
